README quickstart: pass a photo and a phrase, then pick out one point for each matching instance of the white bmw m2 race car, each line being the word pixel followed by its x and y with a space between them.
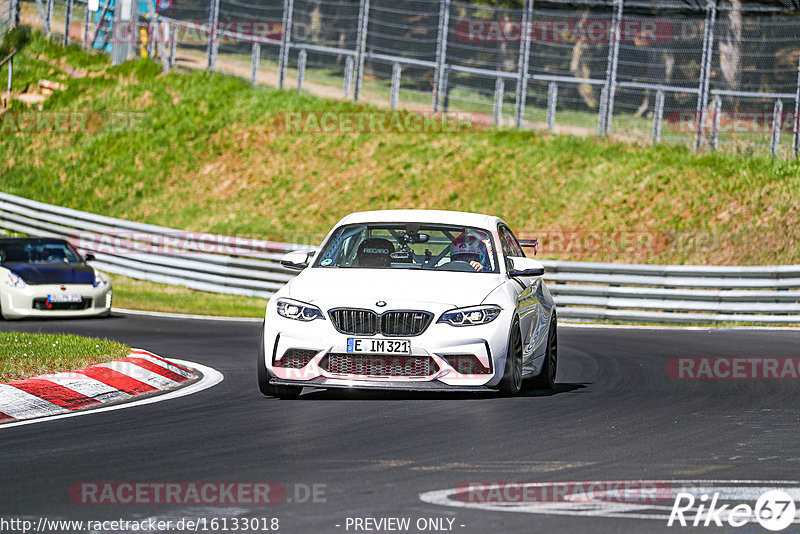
pixel 412 300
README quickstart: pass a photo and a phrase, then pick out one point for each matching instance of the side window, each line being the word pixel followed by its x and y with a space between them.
pixel 510 244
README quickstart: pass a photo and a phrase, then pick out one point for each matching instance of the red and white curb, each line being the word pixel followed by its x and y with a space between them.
pixel 141 373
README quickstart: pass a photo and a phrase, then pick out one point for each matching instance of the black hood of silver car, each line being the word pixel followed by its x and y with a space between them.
pixel 57 273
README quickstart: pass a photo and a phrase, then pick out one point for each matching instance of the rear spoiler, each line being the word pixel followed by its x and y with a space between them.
pixel 528 243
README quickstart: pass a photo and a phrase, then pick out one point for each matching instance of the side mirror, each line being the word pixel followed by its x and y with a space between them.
pixel 89 257
pixel 524 267
pixel 297 260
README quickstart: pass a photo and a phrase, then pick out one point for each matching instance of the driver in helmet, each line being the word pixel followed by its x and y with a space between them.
pixel 468 248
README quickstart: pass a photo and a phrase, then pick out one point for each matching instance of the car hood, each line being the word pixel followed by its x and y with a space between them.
pixel 364 287
pixel 55 273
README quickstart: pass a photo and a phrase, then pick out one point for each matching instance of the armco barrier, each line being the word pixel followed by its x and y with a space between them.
pixel 583 290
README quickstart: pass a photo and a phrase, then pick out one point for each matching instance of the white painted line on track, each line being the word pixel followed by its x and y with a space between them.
pixel 189 316
pixel 211 377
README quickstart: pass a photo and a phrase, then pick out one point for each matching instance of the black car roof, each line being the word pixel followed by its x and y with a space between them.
pixel 30 240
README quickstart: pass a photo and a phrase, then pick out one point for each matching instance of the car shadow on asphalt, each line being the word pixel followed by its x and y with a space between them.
pixel 365 394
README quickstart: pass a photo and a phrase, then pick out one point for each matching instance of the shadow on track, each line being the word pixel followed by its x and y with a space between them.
pixel 366 394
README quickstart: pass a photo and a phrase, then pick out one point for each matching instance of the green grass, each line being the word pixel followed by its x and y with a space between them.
pixel 142 295
pixel 25 355
pixel 208 154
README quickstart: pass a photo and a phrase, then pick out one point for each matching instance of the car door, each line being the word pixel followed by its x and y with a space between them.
pixel 528 307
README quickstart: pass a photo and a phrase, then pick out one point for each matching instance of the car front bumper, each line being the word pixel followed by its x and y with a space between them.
pixel 18 303
pixel 438 344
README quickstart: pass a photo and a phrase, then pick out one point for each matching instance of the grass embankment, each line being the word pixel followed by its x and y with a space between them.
pixel 25 355
pixel 141 295
pixel 208 154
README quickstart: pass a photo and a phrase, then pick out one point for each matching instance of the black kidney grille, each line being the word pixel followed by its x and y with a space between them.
pixel 405 323
pixel 355 322
pixel 367 323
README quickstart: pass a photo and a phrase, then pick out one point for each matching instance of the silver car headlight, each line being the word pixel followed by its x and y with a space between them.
pixel 470 316
pixel 299 311
pixel 99 281
pixel 14 280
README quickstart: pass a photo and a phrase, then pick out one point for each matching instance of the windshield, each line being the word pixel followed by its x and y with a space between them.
pixel 38 253
pixel 410 246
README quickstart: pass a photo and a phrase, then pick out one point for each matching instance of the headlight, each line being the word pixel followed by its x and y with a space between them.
pixel 470 316
pixel 15 281
pixel 99 280
pixel 300 311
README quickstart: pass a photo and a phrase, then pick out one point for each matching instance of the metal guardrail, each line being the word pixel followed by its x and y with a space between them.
pixel 583 290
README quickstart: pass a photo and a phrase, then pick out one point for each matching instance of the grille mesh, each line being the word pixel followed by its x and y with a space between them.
pixel 466 364
pixel 377 365
pixel 41 304
pixel 392 323
pixel 296 358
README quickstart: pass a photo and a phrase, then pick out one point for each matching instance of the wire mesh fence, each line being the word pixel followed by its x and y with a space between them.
pixel 708 74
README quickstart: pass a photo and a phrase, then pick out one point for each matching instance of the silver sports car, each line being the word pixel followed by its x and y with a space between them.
pixel 49 278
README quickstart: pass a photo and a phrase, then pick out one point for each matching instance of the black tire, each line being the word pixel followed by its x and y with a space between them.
pixel 267 389
pixel 547 376
pixel 511 383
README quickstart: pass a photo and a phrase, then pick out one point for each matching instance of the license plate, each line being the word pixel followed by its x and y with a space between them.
pixel 65 297
pixel 378 346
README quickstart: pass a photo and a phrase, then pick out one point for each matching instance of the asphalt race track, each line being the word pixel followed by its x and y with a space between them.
pixel 615 415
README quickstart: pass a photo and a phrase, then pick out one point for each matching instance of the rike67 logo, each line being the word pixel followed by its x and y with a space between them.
pixel 774 510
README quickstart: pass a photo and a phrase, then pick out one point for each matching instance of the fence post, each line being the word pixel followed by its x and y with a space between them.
pixel 552 100
pixel 796 124
pixel 444 103
pixel 302 57
pixel 86 19
pixel 716 113
pixel 10 77
pixel 396 72
pixel 213 42
pixel 67 21
pixel 49 17
pixel 348 76
pixel 499 93
pixel 607 103
pixel 777 123
pixel 363 25
pixel 523 63
pixel 255 59
pixel 14 11
pixel 441 54
pixel 152 35
pixel 658 117
pixel 42 16
pixel 705 72
pixel 286 41
pixel 173 43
